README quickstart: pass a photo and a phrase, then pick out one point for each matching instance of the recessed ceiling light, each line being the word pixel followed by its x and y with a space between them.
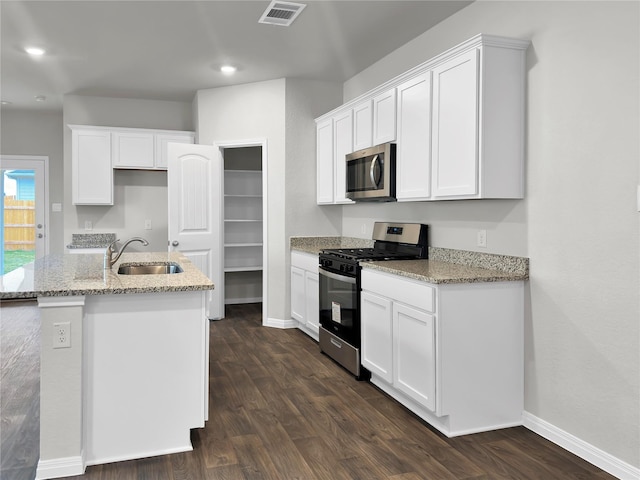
pixel 37 51
pixel 5 102
pixel 40 98
pixel 228 69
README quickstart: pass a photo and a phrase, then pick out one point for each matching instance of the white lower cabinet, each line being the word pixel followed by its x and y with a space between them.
pixel 451 353
pixel 414 354
pixel 305 298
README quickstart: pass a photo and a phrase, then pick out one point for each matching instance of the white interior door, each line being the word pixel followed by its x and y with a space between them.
pixel 24 235
pixel 194 180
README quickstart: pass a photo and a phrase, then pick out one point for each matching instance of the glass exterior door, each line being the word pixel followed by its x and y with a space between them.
pixel 22 220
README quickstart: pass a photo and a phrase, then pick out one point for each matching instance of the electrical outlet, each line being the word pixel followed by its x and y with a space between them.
pixel 62 335
pixel 363 229
pixel 147 224
pixel 88 225
pixel 482 238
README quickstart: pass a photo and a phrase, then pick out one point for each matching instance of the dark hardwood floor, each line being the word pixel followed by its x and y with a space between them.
pixel 281 410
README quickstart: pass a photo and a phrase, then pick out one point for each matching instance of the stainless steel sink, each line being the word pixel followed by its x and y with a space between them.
pixel 164 268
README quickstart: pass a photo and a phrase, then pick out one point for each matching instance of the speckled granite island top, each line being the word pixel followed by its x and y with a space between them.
pixel 66 275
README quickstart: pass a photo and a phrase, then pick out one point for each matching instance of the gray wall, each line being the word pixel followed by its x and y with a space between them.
pixel 282 112
pixel 138 194
pixel 578 223
pixel 39 132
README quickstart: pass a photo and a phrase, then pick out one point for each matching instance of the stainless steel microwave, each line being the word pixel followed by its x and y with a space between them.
pixel 371 174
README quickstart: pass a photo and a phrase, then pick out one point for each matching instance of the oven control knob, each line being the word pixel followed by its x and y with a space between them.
pixel 342 268
pixel 349 268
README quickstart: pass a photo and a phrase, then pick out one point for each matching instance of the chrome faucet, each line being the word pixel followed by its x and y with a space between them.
pixel 109 260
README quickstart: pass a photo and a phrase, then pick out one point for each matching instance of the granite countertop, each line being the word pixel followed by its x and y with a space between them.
pixel 66 275
pixel 91 240
pixel 315 244
pixel 434 271
pixel 444 265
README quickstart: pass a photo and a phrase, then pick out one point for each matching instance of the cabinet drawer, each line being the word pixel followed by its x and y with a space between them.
pixel 411 292
pixel 305 261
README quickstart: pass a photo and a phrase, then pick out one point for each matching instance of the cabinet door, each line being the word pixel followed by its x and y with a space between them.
pixel 384 117
pixel 161 141
pixel 298 301
pixel 414 354
pixel 343 145
pixel 312 301
pixel 362 125
pixel 455 126
pixel 376 334
pixel 133 150
pixel 91 171
pixel 413 151
pixel 324 162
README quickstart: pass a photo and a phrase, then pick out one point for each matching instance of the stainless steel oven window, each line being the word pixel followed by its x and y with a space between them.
pixel 339 305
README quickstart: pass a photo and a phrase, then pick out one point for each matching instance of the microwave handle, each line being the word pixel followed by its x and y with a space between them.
pixel 372 170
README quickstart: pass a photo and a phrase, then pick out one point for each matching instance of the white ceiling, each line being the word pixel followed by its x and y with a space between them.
pixel 167 50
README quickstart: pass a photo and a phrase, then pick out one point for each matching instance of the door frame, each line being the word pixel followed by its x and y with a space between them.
pixel 220 147
pixel 39 163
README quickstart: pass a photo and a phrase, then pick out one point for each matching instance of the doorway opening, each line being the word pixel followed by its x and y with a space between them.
pixel 243 224
pixel 23 216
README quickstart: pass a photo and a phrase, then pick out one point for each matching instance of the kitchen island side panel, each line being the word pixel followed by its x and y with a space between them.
pixel 146 372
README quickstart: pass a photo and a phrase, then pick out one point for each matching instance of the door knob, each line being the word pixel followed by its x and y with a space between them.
pixel 40 235
pixel 39 225
pixel 175 243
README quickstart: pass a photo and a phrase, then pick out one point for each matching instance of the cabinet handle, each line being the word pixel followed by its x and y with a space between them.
pixel 175 243
pixel 337 344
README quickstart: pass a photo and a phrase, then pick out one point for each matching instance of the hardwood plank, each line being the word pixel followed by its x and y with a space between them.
pixel 254 460
pixel 280 409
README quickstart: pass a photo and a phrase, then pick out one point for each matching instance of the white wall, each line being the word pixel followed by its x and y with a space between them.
pixel 39 132
pixel 578 223
pixel 138 194
pixel 282 112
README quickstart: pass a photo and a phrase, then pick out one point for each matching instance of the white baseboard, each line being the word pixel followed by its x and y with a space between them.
pixel 60 467
pixel 138 455
pixel 279 323
pixel 241 300
pixel 582 449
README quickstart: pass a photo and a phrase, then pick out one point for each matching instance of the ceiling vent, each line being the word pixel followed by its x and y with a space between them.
pixel 281 13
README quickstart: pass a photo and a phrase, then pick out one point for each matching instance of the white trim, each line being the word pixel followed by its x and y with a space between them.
pixel 241 300
pixel 140 455
pixel 582 449
pixel 279 323
pixel 256 142
pixel 60 467
pixel 65 301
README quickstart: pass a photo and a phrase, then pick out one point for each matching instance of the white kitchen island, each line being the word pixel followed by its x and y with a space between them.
pixel 124 358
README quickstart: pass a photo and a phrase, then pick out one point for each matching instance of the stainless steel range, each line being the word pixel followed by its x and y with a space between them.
pixel 340 287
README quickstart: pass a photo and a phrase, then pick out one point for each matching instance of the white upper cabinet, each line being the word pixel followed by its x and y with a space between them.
pixel 91 171
pixel 132 149
pixel 413 150
pixel 384 117
pixel 161 141
pixel 96 151
pixel 457 120
pixel 343 145
pixel 455 126
pixel 324 162
pixel 144 149
pixel 363 125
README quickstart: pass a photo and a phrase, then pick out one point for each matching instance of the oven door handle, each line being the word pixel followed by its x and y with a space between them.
pixel 336 276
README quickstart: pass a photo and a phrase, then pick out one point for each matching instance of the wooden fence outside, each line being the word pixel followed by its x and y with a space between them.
pixel 19 224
